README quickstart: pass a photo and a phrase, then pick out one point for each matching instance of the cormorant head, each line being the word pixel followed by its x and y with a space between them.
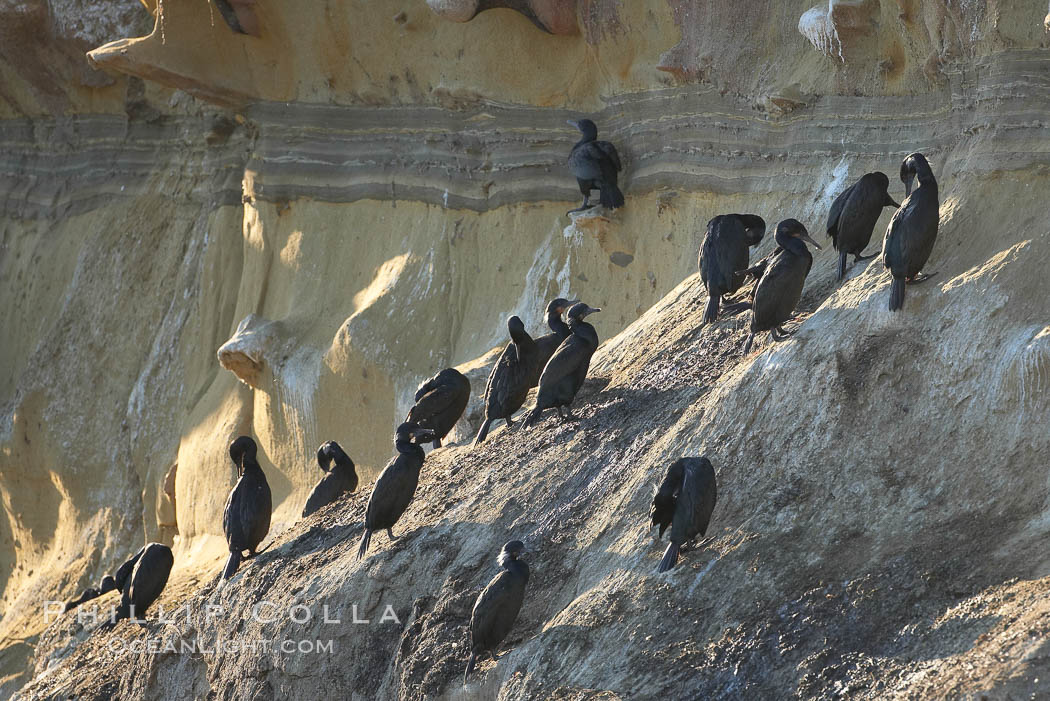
pixel 515 325
pixel 792 229
pixel 559 305
pixel 242 447
pixel 914 163
pixel 414 433
pixel 586 127
pixel 107 584
pixel 882 181
pixel 511 551
pixel 754 228
pixel 325 455
pixel 579 310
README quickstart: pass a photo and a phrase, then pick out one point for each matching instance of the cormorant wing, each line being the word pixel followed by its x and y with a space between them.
pixel 836 211
pixel 725 256
pixel 589 162
pixel 566 359
pixel 434 402
pixel 123 573
pixel 661 512
pixel 610 151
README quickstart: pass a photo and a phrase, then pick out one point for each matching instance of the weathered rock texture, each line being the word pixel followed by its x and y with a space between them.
pixel 373 193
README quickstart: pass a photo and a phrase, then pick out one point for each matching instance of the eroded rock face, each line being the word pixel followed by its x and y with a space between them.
pixel 554 16
pixel 382 199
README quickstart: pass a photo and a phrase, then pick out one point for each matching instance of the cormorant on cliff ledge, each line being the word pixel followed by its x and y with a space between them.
pixel 853 216
pixel 913 230
pixel 595 165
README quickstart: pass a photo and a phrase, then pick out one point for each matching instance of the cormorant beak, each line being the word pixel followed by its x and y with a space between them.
pixel 806 237
pixel 889 202
pixel 241 466
pixel 423 435
pixel 908 184
pixel 573 122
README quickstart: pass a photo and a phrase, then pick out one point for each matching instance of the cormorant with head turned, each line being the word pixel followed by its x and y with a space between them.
pixel 338 480
pixel 567 369
pixel 246 518
pixel 509 381
pixel 140 581
pixel 548 343
pixel 782 275
pixel 685 500
pixel 913 229
pixel 393 491
pixel 440 401
pixel 724 255
pixel 498 605
pixel 853 216
pixel 595 165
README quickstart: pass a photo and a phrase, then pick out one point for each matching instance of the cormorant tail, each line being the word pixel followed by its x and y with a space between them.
pixel 670 558
pixel 483 432
pixel 470 667
pixel 842 265
pixel 610 196
pixel 897 294
pixel 747 346
pixel 366 538
pixel 711 313
pixel 232 564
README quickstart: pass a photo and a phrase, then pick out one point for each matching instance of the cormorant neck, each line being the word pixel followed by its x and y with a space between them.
pixel 556 324
pixel 520 337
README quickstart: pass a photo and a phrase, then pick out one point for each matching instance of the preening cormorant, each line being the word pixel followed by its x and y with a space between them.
pixel 548 343
pixel 783 274
pixel 595 165
pixel 509 381
pixel 684 502
pixel 393 491
pixel 246 518
pixel 567 369
pixel 440 401
pixel 912 230
pixel 152 565
pixel 498 605
pixel 140 581
pixel 338 480
pixel 853 216
pixel 724 255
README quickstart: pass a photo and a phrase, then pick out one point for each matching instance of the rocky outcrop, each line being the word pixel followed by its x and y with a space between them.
pixel 380 199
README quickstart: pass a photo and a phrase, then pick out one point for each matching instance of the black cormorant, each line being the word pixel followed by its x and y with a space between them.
pixel 853 216
pixel 339 480
pixel 393 491
pixel 912 230
pixel 246 518
pixel 567 369
pixel 152 565
pixel 140 581
pixel 595 165
pixel 509 381
pixel 498 605
pixel 783 274
pixel 440 401
pixel 548 343
pixel 684 502
pixel 724 255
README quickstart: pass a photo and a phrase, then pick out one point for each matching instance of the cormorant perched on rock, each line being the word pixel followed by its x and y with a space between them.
pixel 498 605
pixel 684 502
pixel 548 343
pixel 440 401
pixel 595 165
pixel 140 581
pixel 246 518
pixel 509 381
pixel 338 481
pixel 853 216
pixel 912 230
pixel 724 255
pixel 567 369
pixel 393 491
pixel 782 276
pixel 152 565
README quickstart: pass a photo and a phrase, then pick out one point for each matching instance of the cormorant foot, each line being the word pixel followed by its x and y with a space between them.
pixel 509 420
pixel 390 534
pixel 779 334
pixel 582 208
pixel 921 277
pixel 858 257
pixel 569 416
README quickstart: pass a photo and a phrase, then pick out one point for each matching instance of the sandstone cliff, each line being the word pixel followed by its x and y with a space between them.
pixel 346 214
